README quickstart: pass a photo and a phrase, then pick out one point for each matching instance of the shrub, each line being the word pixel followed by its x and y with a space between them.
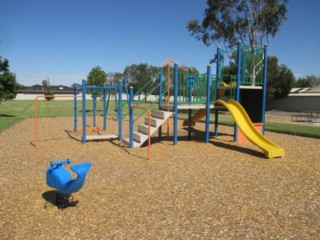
pixel 49 95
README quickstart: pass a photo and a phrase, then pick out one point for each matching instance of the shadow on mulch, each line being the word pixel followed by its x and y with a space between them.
pixel 238 149
pixel 69 132
pixel 200 135
pixel 51 198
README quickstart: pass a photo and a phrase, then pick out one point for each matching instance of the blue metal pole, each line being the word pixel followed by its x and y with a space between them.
pixel 84 117
pixel 244 63
pixel 160 98
pixel 189 85
pixel 175 105
pixel 131 117
pixel 208 102
pixel 75 109
pixel 218 78
pixel 105 108
pixel 264 89
pixel 119 110
pixel 94 107
pixel 108 100
pixel 238 71
pixel 189 122
pixel 238 86
pixel 116 100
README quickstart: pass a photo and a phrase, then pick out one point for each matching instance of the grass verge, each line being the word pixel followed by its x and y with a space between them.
pixel 293 129
pixel 6 122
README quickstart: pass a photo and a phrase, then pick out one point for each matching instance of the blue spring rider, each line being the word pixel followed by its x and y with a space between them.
pixel 60 178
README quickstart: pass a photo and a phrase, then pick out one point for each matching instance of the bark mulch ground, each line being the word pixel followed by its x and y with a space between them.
pixel 194 190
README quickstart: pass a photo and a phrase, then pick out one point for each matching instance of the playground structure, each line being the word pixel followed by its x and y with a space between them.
pixel 106 90
pixel 244 94
pixel 242 119
pixel 116 89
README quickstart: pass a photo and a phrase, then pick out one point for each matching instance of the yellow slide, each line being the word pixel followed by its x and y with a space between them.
pixel 196 117
pixel 243 121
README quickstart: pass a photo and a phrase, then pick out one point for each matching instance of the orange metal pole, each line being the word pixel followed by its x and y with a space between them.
pixel 168 61
pixel 149 137
pixel 35 121
pixel 35 113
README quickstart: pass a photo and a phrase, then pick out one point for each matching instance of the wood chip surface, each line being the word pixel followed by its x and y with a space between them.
pixel 194 190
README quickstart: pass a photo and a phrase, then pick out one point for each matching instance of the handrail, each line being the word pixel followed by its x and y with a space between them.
pixel 35 113
pixel 136 94
pixel 145 97
pixel 150 105
pixel 149 124
pixel 174 62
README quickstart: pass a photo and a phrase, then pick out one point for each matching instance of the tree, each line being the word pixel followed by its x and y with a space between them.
pixel 45 84
pixel 139 75
pixel 77 86
pixel 308 81
pixel 20 86
pixel 302 83
pixel 181 69
pixel 114 77
pixel 280 79
pixel 96 77
pixel 48 95
pixel 229 21
pixel 8 84
pixel 315 81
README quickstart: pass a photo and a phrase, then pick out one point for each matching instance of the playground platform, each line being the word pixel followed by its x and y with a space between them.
pixel 187 106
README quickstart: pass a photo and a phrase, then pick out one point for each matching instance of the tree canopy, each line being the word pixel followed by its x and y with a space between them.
pixel 229 21
pixel 308 81
pixel 45 83
pixel 181 69
pixel 138 75
pixel 114 77
pixel 97 77
pixel 280 78
pixel 8 84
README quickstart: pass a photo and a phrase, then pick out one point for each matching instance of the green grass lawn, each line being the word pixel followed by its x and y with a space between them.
pixel 294 129
pixel 14 111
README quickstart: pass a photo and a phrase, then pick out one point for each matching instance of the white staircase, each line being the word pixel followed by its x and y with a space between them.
pixel 158 117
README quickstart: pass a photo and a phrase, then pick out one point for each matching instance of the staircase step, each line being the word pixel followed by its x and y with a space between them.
pixel 144 128
pixel 160 114
pixel 140 136
pixel 155 122
pixel 127 142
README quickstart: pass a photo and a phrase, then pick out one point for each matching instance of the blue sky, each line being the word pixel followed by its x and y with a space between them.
pixel 64 39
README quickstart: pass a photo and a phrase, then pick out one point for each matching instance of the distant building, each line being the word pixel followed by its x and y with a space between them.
pixel 39 89
pixel 298 100
pixel 29 93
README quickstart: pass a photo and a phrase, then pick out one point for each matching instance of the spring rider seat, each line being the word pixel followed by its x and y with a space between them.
pixel 60 178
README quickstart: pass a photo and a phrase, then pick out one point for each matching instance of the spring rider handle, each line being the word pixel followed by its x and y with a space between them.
pixel 60 163
pixel 61 179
